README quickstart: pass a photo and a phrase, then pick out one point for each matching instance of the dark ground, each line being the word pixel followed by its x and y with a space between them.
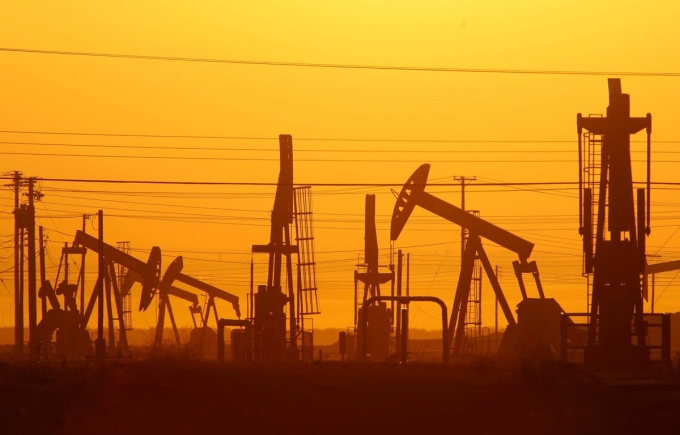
pixel 189 397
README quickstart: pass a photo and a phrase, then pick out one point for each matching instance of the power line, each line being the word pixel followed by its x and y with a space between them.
pixel 267 210
pixel 264 159
pixel 273 149
pixel 237 183
pixel 250 183
pixel 341 66
pixel 309 150
pixel 311 139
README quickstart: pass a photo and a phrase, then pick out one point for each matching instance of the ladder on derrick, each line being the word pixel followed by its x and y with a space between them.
pixel 308 300
pixel 473 313
pixel 591 175
pixel 127 299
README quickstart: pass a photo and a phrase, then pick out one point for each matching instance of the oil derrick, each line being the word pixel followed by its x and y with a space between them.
pixel 617 333
pixel 538 318
pixel 271 299
pixel 273 340
pixel 379 316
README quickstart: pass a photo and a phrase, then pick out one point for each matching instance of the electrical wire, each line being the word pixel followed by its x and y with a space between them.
pixel 308 150
pixel 339 66
pixel 265 159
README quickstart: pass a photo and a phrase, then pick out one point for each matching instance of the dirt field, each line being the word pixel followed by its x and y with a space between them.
pixel 189 397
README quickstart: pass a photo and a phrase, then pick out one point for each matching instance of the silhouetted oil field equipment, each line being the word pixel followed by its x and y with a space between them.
pixel 620 336
pixel 372 322
pixel 272 340
pixel 71 324
pixel 614 334
pixel 653 269
pixel 518 336
pixel 406 300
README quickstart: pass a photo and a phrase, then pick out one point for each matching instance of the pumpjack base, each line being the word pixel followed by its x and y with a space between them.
pixel 627 359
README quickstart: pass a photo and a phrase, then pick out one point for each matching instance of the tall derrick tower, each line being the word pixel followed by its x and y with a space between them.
pixel 274 304
pixel 613 242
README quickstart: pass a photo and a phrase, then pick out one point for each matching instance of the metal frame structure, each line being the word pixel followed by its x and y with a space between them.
pixel 268 314
pixel 407 300
pixel 473 314
pixel 412 194
pixel 148 274
pixel 372 278
pixel 115 288
pixel 653 269
pixel 616 262
pixel 221 323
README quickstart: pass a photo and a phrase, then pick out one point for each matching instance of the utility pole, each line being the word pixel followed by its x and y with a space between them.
pixel 408 273
pixel 82 268
pixel 463 180
pixel 471 316
pixel 41 249
pixel 100 345
pixel 400 257
pixel 653 291
pixel 496 302
pixel 64 253
pixel 32 290
pixel 18 306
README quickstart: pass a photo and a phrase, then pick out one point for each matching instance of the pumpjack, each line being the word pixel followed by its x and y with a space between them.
pixel 274 340
pixel 378 316
pixel 538 318
pixel 71 324
pixel 613 240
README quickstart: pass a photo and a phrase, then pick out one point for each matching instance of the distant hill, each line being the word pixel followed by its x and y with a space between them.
pixel 322 336
pixel 328 336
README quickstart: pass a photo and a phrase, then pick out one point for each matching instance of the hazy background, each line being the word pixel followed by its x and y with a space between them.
pixel 214 227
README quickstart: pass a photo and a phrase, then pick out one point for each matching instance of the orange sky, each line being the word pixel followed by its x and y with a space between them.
pixel 81 94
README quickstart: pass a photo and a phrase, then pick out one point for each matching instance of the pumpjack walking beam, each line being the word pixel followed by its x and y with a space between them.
pixel 100 343
pixel 165 290
pixel 148 274
pixel 412 194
